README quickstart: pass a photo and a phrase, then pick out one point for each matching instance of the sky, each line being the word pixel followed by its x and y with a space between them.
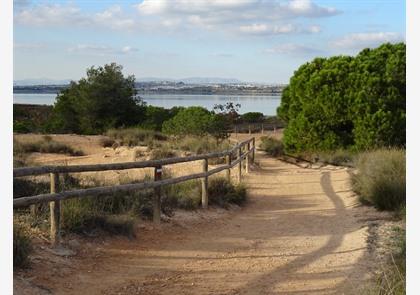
pixel 250 40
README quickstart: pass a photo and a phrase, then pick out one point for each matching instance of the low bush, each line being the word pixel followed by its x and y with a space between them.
pixel 185 195
pixel 134 136
pixel 46 145
pixel 161 153
pixel 272 146
pixel 380 178
pixel 339 157
pixel 22 246
pixel 200 145
pixel 222 192
pixel 106 142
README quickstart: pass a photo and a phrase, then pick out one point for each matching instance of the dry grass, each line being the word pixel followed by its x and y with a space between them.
pixel 22 246
pixel 380 178
pixel 46 145
pixel 272 146
pixel 135 136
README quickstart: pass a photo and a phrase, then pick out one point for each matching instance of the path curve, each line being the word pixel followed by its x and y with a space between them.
pixel 299 234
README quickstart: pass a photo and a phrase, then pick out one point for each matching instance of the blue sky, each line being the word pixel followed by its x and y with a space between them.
pixel 251 40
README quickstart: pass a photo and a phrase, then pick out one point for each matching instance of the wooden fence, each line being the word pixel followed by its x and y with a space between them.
pixel 255 127
pixel 243 152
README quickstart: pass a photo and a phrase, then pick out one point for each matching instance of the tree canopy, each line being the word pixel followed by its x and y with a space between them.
pixel 104 99
pixel 347 102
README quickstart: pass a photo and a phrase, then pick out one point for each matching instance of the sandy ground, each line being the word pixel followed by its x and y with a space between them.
pixel 302 232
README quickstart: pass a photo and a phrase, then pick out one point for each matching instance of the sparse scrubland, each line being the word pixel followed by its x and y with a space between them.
pixel 46 145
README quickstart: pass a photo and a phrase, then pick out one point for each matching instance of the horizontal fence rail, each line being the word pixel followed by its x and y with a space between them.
pixel 55 197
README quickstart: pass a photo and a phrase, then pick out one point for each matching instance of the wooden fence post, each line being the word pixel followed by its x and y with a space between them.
pixel 240 165
pixel 262 128
pixel 249 128
pixel 156 197
pixel 236 131
pixel 205 186
pixel 229 162
pixel 54 211
pixel 253 150
pixel 247 157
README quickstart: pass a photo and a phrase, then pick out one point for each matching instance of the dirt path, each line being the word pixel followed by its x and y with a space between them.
pixel 301 233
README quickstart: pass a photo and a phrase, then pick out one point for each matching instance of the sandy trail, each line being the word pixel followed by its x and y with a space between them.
pixel 299 234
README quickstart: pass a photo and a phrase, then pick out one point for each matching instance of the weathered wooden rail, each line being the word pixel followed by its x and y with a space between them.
pixel 243 151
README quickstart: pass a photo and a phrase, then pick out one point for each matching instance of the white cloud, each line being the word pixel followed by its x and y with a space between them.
pixel 29 46
pixel 100 50
pixel 295 50
pixel 362 40
pixel 71 15
pixel 256 17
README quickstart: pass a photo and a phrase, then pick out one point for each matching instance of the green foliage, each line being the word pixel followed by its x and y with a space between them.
pixel 222 192
pixel 134 136
pixel 347 102
pixel 104 99
pixel 190 121
pixel 272 146
pixel 30 118
pixel 155 116
pixel 338 157
pixel 252 117
pixel 22 246
pixel 380 178
pixel 184 195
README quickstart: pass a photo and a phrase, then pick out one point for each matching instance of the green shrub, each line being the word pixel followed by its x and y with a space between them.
pixel 347 102
pixel 272 146
pixel 25 187
pixel 222 192
pixel 189 121
pixel 380 178
pixel 252 117
pixel 135 136
pixel 22 246
pixel 22 126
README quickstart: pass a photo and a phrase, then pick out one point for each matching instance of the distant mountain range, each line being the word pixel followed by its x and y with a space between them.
pixel 189 80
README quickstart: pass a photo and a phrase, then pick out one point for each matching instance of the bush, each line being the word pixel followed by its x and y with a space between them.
pixel 200 145
pixel 25 187
pixel 162 153
pixel 252 117
pixel 47 145
pixel 104 99
pixel 22 246
pixel 272 146
pixel 380 178
pixel 222 192
pixel 339 157
pixel 135 136
pixel 347 102
pixel 184 195
pixel 191 120
pixel 106 142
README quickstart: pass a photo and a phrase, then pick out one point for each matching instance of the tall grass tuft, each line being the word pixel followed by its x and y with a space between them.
pixel 22 246
pixel 46 145
pixel 135 136
pixel 380 178
pixel 200 145
pixel 272 146
pixel 222 192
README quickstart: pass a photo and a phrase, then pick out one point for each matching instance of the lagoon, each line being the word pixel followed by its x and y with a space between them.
pixel 265 104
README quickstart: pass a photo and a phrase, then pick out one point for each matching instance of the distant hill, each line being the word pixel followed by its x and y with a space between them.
pixel 193 80
pixel 40 81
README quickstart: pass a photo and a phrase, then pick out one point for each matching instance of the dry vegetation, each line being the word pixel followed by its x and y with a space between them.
pixel 114 214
